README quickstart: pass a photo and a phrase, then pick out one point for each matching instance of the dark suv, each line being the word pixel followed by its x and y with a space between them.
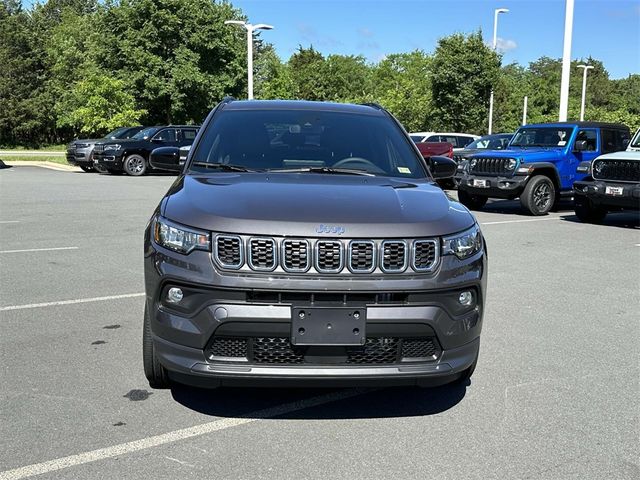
pixel 307 243
pixel 80 152
pixel 132 155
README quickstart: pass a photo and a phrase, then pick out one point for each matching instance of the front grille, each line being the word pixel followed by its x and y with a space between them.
pixel 262 255
pixel 617 170
pixel 425 253
pixel 276 350
pixel 99 148
pixel 228 251
pixel 419 348
pixel 361 256
pixel 328 256
pixel 490 166
pixel 229 347
pixel 280 351
pixel 295 256
pixel 394 256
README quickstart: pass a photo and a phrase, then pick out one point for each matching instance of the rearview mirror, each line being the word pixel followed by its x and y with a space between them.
pixel 580 146
pixel 166 158
pixel 442 167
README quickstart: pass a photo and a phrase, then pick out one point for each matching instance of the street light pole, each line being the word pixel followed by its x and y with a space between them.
pixel 250 29
pixel 497 12
pixel 566 61
pixel 584 88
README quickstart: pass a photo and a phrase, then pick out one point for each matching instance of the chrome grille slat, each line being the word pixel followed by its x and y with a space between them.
pixel 262 254
pixel 425 255
pixel 393 256
pixel 296 256
pixel 328 256
pixel 228 251
pixel 362 256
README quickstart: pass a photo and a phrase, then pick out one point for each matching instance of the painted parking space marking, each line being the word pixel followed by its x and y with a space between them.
pixel 174 436
pixel 520 221
pixel 70 302
pixel 9 221
pixel 29 250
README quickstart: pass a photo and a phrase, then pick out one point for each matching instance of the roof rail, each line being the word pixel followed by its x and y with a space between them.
pixel 377 106
pixel 228 99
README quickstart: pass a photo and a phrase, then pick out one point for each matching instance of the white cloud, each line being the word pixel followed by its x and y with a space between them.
pixel 504 45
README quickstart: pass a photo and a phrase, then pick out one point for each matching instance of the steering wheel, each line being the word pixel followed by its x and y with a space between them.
pixel 363 162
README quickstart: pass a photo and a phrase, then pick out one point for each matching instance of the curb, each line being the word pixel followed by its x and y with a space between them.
pixel 43 164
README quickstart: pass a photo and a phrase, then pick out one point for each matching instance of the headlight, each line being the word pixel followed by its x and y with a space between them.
pixel 525 170
pixel 512 164
pixel 113 146
pixel 178 237
pixel 464 244
pixel 82 145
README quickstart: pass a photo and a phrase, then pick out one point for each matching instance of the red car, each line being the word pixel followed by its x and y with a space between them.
pixel 431 149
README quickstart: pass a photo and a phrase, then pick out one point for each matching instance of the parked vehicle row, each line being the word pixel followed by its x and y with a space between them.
pixel 458 140
pixel 80 152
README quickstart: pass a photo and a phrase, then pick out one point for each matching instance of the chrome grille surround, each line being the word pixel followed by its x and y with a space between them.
pixel 417 255
pixel 225 242
pixel 264 248
pixel 358 244
pixel 339 257
pixel 290 257
pixel 390 249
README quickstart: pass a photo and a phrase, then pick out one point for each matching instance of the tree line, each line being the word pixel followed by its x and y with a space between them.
pixel 83 67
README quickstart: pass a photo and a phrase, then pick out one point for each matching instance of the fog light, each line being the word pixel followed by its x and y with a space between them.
pixel 465 298
pixel 174 295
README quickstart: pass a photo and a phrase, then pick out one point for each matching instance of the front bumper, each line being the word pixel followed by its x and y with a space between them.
pixel 80 157
pixel 496 186
pixel 595 191
pixel 109 160
pixel 242 307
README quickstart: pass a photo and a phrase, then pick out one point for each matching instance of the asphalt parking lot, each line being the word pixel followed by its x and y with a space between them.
pixel 555 394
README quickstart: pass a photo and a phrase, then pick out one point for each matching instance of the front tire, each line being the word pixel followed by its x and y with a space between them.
pixel 472 202
pixel 587 213
pixel 538 196
pixel 154 371
pixel 135 165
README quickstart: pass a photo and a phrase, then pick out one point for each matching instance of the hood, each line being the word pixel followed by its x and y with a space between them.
pixel 537 154
pixel 297 204
pixel 120 141
pixel 86 140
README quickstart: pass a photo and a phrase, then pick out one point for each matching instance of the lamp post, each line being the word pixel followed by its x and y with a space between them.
pixel 585 68
pixel 497 12
pixel 250 29
pixel 566 61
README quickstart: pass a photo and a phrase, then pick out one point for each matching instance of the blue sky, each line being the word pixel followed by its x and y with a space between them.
pixel 608 30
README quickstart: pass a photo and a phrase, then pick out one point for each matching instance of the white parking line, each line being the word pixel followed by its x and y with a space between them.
pixel 521 221
pixel 174 436
pixel 70 302
pixel 9 221
pixel 39 250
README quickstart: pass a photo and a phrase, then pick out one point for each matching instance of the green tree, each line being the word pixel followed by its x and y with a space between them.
pixel 464 70
pixel 306 69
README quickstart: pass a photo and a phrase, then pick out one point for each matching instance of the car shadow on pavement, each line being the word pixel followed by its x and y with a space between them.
pixel 348 404
pixel 619 219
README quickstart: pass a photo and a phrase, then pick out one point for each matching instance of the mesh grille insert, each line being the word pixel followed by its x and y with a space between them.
pixel 376 351
pixel 328 256
pixel 229 251
pixel 394 256
pixel 361 256
pixel 276 350
pixel 419 348
pixel 621 170
pixel 296 255
pixel 228 347
pixel 262 254
pixel 424 254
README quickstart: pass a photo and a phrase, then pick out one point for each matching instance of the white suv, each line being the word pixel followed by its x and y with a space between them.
pixel 634 144
pixel 458 140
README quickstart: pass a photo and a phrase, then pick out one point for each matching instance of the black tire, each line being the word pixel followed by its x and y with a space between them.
pixel 587 212
pixel 156 374
pixel 472 202
pixel 86 169
pixel 538 196
pixel 135 165
pixel 99 168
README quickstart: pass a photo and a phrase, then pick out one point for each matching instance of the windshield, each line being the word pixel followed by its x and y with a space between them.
pixel 145 133
pixel 269 140
pixel 542 137
pixel 417 138
pixel 635 143
pixel 116 133
pixel 491 143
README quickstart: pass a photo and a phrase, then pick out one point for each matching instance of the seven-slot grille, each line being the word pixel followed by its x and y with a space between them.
pixel 328 256
pixel 491 166
pixel 620 170
pixel 394 256
pixel 325 256
pixel 228 251
pixel 262 254
pixel 361 256
pixel 295 255
pixel 99 147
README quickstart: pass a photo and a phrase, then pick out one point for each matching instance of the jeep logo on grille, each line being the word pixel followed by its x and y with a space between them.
pixel 335 229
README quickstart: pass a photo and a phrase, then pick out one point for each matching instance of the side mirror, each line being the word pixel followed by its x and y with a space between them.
pixel 580 146
pixel 442 167
pixel 166 158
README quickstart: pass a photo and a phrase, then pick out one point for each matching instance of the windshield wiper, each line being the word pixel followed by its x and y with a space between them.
pixel 330 170
pixel 224 166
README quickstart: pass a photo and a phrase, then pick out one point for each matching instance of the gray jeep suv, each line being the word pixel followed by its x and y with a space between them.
pixel 307 243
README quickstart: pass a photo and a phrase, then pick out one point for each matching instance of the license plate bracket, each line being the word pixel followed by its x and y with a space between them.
pixel 328 326
pixel 614 191
pixel 480 183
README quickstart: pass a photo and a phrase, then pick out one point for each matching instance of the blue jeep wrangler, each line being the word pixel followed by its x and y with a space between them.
pixel 539 165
